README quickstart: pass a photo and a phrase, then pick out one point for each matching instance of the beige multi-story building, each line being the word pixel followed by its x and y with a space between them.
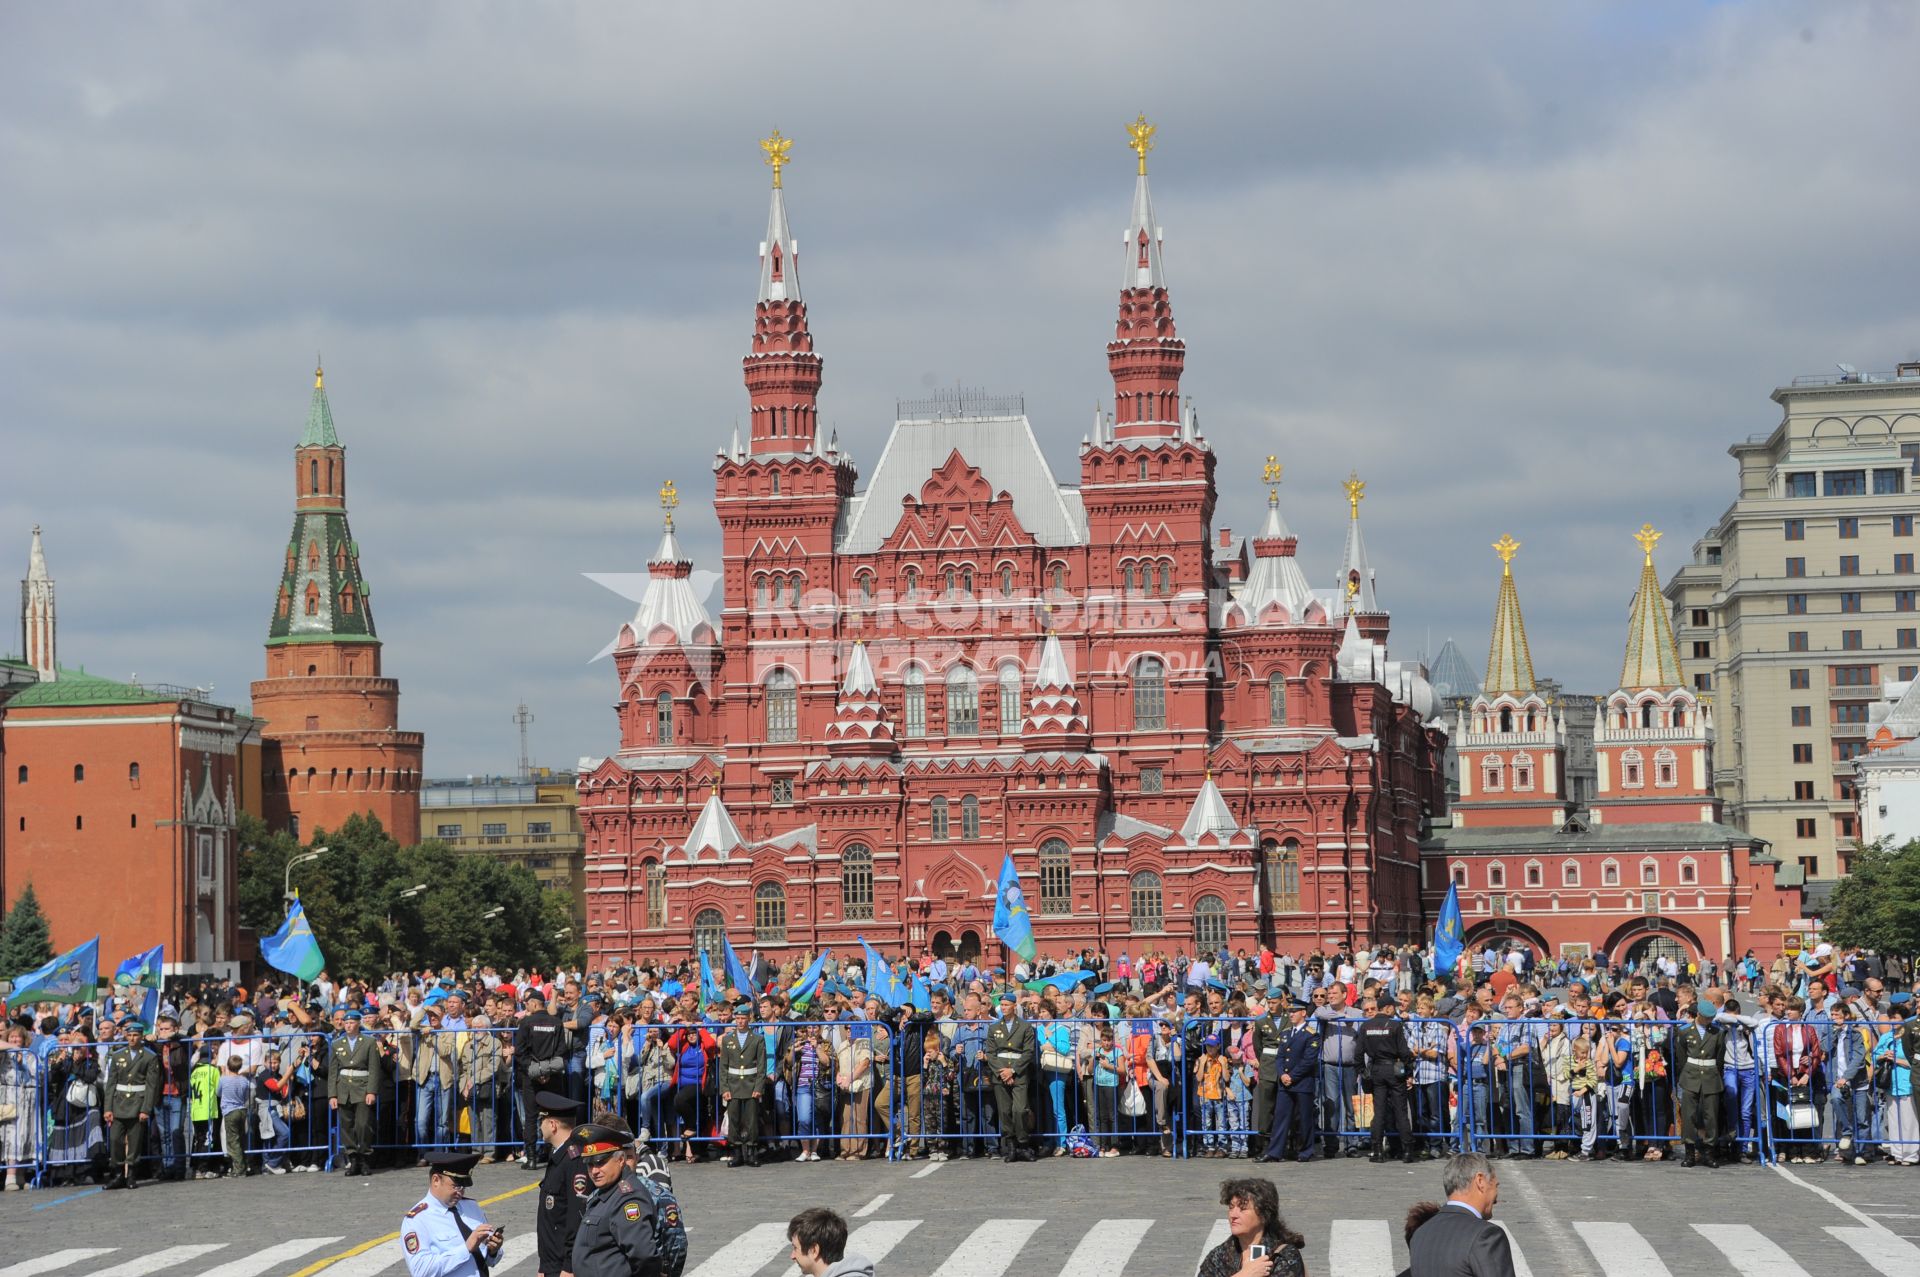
pixel 534 823
pixel 1800 600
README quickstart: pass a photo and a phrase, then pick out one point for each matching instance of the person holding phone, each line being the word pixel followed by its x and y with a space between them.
pixel 446 1234
pixel 1259 1243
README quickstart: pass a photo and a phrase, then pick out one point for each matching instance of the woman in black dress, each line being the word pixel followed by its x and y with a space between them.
pixel 1253 1218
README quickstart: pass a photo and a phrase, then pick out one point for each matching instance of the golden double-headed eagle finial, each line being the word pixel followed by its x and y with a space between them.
pixel 1356 492
pixel 669 498
pixel 1648 538
pixel 1140 135
pixel 776 148
pixel 1273 472
pixel 1506 547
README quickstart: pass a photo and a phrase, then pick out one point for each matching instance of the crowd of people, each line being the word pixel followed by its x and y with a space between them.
pixel 1259 1055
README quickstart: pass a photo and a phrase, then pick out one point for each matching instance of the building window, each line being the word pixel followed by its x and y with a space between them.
pixel 969 818
pixel 1276 700
pixel 1798 679
pixel 1849 565
pixel 539 829
pixel 20 777
pixel 1689 873
pixel 1803 828
pixel 654 874
pixel 782 791
pixel 1703 682
pixel 663 717
pixel 1886 483
pixel 1649 873
pixel 1847 750
pixel 1570 873
pixel 1796 529
pixel 1903 600
pixel 1702 651
pixel 770 913
pixel 1909 672
pixel 912 578
pixel 1801 484
pixel 1903 564
pixel 1846 826
pixel 865 583
pixel 1905 637
pixel 963 702
pixel 1143 467
pixel 1056 877
pixel 1210 924
pixel 1803 753
pixel 1850 712
pixel 1151 781
pixel 1490 776
pixel 783 706
pixel 1006 579
pixel 1459 875
pixel 1796 565
pixel 1796 605
pixel 493 829
pixel 1797 639
pixel 1903 525
pixel 1060 577
pixel 1850 641
pixel 1523 773
pixel 1630 769
pixel 133 773
pixel 1149 693
pixel 1849 526
pixel 916 701
pixel 1283 877
pixel 1663 769
pixel 1855 675
pixel 709 930
pixel 1010 707
pixel 1609 873
pixel 1850 601
pixel 856 881
pixel 1800 716
pixel 79 772
pixel 1535 874
pixel 1701 618
pixel 446 831
pixel 938 820
pixel 1143 893
pixel 1496 875
pixel 776 483
pixel 1803 791
pixel 1846 483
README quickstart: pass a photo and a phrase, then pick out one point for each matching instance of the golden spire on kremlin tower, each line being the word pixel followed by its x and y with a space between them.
pixel 319 374
pixel 776 148
pixel 1356 492
pixel 1653 658
pixel 669 498
pixel 1648 538
pixel 1273 471
pixel 1141 135
pixel 1509 661
pixel 1506 547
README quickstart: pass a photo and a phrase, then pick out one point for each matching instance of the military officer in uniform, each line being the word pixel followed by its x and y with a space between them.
pixel 743 1067
pixel 1009 1054
pixel 1270 1033
pixel 1703 1054
pixel 353 1087
pixel 1296 1070
pixel 628 1228
pixel 564 1188
pixel 133 1088
pixel 447 1235
pixel 1388 1059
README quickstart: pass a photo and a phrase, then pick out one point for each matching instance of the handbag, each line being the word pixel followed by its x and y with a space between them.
pixel 9 1111
pixel 1058 1061
pixel 1132 1103
pixel 297 1110
pixel 81 1093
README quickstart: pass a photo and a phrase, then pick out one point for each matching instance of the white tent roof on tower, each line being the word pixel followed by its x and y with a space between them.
pixel 670 600
pixel 859 680
pixel 714 831
pixel 1053 673
pixel 1275 576
pixel 1210 815
pixel 783 285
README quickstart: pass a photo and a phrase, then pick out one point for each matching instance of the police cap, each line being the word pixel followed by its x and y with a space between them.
pixel 455 1165
pixel 600 1140
pixel 553 1104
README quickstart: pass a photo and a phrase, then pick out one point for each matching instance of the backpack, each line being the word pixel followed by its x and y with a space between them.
pixel 1080 1144
pixel 669 1230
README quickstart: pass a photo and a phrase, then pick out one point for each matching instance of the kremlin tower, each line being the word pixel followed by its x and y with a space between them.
pixel 332 741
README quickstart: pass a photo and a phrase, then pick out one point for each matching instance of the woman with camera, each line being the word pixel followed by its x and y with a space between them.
pixel 1259 1243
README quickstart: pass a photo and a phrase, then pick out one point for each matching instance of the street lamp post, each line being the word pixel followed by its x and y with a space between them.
pixel 286 883
pixel 416 889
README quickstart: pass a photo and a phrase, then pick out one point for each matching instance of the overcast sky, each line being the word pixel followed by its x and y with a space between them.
pixel 1530 268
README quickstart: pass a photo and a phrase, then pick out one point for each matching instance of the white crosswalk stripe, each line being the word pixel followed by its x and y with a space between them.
pixel 745 1254
pixel 1215 1235
pixel 1621 1250
pixel 388 1256
pixel 270 1258
pixel 989 1249
pixel 873 1241
pixel 518 1250
pixel 55 1262
pixel 1750 1253
pixel 1360 1248
pixel 159 1261
pixel 1103 1252
pixel 1889 1253
pixel 1520 1266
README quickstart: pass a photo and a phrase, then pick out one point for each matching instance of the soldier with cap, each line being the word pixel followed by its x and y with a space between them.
pixel 1009 1053
pixel 630 1227
pixel 743 1068
pixel 1270 1034
pixel 564 1188
pixel 1296 1074
pixel 447 1235
pixel 353 1083
pixel 133 1088
pixel 1703 1056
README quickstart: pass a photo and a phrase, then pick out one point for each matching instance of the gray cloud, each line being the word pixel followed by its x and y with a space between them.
pixel 1530 271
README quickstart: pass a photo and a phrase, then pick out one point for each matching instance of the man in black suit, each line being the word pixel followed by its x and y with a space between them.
pixel 1462 1240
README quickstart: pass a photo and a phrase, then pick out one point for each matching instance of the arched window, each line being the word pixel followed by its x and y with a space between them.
pixel 1006 579
pixel 1535 874
pixel 1496 875
pixel 79 772
pixel 709 929
pixel 1010 707
pixel 776 483
pixel 1570 873
pixel 313 598
pixel 1165 575
pixel 937 821
pixel 1663 768
pixel 1609 873
pixel 963 702
pixel 760 599
pixel 1056 877
pixel 912 577
pixel 856 881
pixel 1646 714
pixel 969 818
pixel 953 579
pixel 1649 872
pixel 1143 895
pixel 1630 774
pixel 770 913
pixel 966 581
pixel 796 585
pixel 1523 771
pixel 1490 774
pixel 1126 577
pixel 1277 699
pixel 1506 719
pixel 1283 877
pixel 655 875
pixel 1210 924
pixel 916 701
pixel 133 773
pixel 1143 468
pixel 1689 872
pixel 1459 875
pixel 21 777
pixel 865 580
pixel 1060 577
pixel 663 717
pixel 313 475
pixel 783 707
pixel 1149 693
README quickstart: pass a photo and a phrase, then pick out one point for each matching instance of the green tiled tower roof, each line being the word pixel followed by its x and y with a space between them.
pixel 319 431
pixel 322 596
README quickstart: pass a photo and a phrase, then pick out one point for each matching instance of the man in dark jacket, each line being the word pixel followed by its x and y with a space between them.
pixel 1296 1070
pixel 565 1187
pixel 539 1063
pixel 1462 1240
pixel 1388 1062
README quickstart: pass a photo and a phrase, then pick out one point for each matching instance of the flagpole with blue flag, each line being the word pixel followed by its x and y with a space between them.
pixel 1449 934
pixel 709 987
pixel 1012 925
pixel 810 981
pixel 737 975
pixel 882 981
pixel 143 971
pixel 292 948
pixel 73 977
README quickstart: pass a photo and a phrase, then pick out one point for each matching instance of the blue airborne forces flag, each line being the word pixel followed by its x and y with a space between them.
pixel 293 949
pixel 73 977
pixel 1449 934
pixel 1011 925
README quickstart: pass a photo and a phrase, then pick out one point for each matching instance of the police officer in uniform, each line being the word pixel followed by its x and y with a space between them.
pixel 1009 1054
pixel 1296 1071
pixel 743 1068
pixel 627 1229
pixel 1703 1054
pixel 1270 1034
pixel 1388 1061
pixel 133 1088
pixel 564 1188
pixel 446 1234
pixel 353 1083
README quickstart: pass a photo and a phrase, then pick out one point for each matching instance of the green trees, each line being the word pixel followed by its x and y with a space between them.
pixel 25 940
pixel 1877 905
pixel 353 895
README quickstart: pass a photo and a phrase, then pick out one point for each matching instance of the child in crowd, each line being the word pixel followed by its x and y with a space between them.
pixel 1210 1088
